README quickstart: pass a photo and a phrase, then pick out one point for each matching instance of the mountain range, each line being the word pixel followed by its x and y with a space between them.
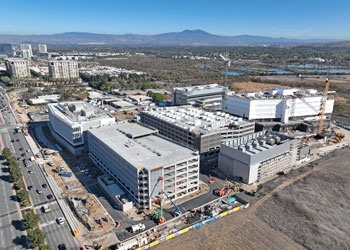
pixel 183 38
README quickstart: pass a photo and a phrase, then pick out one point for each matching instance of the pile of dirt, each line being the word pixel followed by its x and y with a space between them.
pixel 313 211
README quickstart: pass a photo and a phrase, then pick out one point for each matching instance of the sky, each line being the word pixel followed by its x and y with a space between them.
pixel 303 19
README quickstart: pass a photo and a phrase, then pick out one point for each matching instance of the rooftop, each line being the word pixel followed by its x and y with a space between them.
pixel 79 111
pixel 197 120
pixel 140 146
pixel 257 142
pixel 201 89
pixel 279 93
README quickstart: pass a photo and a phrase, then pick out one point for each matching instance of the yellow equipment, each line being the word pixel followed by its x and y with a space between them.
pixel 323 106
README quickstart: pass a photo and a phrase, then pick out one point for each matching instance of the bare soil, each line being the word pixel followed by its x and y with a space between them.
pixel 254 86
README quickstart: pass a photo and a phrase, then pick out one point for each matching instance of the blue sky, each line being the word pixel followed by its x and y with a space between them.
pixel 283 18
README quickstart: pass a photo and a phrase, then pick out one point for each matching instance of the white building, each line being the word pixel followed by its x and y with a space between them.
pixel 18 68
pixel 207 96
pixel 42 48
pixel 69 122
pixel 280 105
pixel 141 162
pixel 258 156
pixel 44 99
pixel 63 69
pixel 26 51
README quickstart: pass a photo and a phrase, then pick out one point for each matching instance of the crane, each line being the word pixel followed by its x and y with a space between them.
pixel 227 64
pixel 323 105
pixel 177 211
pixel 161 218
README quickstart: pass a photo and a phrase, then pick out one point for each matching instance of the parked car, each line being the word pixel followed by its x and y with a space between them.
pixel 39 191
pixel 44 185
pixel 30 187
pixel 50 196
pixel 30 171
pixel 62 247
pixel 60 220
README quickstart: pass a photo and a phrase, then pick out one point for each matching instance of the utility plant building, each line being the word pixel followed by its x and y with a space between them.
pixel 141 162
pixel 281 107
pixel 69 122
pixel 256 157
pixel 197 128
pixel 206 96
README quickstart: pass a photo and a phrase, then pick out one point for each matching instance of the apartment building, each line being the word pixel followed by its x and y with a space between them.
pixel 18 68
pixel 26 50
pixel 64 70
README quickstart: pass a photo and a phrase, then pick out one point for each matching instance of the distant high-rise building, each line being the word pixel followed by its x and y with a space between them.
pixel 26 50
pixel 18 68
pixel 42 48
pixel 63 69
pixel 6 50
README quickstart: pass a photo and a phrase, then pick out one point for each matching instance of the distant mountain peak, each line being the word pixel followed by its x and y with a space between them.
pixel 186 37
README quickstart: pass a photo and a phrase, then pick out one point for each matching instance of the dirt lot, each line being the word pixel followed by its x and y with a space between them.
pixel 307 210
pixel 253 86
pixel 314 211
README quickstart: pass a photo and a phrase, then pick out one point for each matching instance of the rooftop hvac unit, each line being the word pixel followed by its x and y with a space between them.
pixel 277 139
pixel 262 142
pixel 270 141
pixel 255 144
pixel 248 146
pixel 241 148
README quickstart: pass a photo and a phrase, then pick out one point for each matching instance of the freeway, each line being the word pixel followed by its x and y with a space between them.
pixel 55 234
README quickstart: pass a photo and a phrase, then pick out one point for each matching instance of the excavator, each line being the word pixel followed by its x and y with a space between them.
pixel 221 192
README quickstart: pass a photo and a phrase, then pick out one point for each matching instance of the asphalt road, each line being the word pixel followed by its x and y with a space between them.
pixel 55 234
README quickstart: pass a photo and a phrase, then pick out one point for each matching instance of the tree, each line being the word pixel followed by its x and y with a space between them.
pixel 22 195
pixel 36 237
pixel 149 93
pixel 31 90
pixel 15 173
pixel 45 247
pixel 30 220
pixel 6 153
pixel 157 97
pixel 5 79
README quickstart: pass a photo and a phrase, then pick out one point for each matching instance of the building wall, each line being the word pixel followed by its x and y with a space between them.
pixel 142 185
pixel 282 109
pixel 6 49
pixel 256 167
pixel 63 69
pixel 18 68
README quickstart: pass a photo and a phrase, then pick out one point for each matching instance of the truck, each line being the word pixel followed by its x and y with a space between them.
pixel 138 227
pixel 46 208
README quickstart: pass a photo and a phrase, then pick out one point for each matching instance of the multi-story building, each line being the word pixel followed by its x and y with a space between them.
pixel 206 96
pixel 18 68
pixel 6 50
pixel 63 69
pixel 258 156
pixel 42 48
pixel 69 122
pixel 142 162
pixel 26 51
pixel 281 108
pixel 197 128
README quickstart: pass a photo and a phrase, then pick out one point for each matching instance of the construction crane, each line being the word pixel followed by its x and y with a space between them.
pixel 227 65
pixel 161 218
pixel 177 211
pixel 323 106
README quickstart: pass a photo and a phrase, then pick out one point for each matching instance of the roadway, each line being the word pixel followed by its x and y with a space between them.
pixel 55 234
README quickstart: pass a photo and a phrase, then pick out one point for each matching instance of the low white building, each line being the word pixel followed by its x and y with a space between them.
pixel 69 122
pixel 280 105
pixel 45 99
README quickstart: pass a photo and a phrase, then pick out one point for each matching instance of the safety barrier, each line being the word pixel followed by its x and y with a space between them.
pixel 197 225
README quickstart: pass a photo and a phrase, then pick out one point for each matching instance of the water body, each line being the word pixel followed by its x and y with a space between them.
pixel 232 73
pixel 312 66
pixel 205 66
pixel 332 71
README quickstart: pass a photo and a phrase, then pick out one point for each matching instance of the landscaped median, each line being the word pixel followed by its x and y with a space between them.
pixel 35 236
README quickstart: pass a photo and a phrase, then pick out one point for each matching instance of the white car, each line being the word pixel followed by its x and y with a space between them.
pixel 60 220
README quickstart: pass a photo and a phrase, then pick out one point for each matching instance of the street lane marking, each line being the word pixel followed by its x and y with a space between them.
pixel 48 223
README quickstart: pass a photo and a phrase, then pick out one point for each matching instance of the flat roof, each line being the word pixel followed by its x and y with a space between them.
pixel 197 120
pixel 201 89
pixel 78 111
pixel 149 151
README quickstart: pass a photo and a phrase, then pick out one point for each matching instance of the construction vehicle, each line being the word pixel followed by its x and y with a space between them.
pixel 221 192
pixel 177 211
pixel 161 219
pixel 138 227
pixel 211 181
pixel 97 246
pixel 323 106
